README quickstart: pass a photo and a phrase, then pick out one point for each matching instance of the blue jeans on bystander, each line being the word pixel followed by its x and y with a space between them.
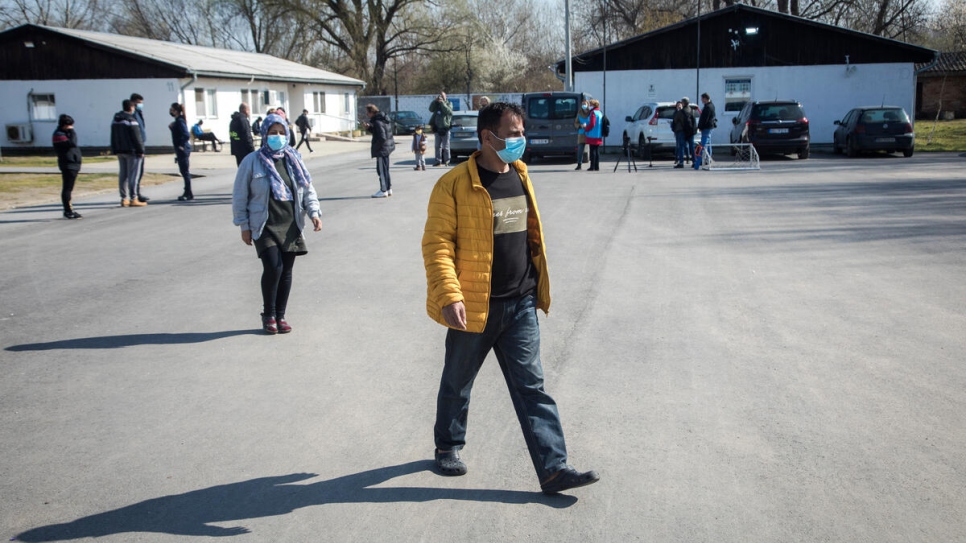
pixel 513 333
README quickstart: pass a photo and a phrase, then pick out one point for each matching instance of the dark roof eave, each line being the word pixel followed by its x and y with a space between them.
pixel 736 8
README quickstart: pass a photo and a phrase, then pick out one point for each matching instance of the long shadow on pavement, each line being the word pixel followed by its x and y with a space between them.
pixel 191 513
pixel 116 342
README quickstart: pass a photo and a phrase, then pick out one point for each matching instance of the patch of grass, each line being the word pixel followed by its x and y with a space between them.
pixel 47 161
pixel 948 135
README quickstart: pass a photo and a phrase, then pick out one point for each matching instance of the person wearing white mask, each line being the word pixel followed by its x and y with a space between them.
pixel 485 286
pixel 582 118
pixel 273 192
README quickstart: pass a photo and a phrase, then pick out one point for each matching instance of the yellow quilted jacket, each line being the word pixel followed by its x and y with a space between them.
pixel 458 245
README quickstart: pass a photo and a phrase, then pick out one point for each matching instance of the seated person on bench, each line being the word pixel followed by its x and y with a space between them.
pixel 201 135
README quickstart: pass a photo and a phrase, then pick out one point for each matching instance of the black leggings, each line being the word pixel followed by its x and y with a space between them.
pixel 276 280
pixel 594 157
pixel 69 177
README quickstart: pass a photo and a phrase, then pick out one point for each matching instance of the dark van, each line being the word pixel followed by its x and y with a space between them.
pixel 549 123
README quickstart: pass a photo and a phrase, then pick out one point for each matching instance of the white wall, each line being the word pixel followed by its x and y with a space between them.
pixel 827 93
pixel 92 104
pixel 339 110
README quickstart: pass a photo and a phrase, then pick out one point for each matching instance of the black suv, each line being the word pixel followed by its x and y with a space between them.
pixel 773 127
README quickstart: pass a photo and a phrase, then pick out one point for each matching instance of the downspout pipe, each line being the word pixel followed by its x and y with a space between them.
pixel 194 78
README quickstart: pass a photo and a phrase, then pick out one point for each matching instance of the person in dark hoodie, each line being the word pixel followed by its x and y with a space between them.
pixel 382 146
pixel 138 101
pixel 181 140
pixel 68 160
pixel 126 143
pixel 304 127
pixel 240 133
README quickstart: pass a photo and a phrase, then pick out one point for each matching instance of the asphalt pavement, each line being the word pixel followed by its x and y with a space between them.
pixel 756 356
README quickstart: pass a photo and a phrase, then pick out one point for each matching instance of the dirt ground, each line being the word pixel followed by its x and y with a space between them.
pixel 30 189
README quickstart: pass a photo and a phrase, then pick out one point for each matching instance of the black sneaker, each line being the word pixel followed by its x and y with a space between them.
pixel 449 463
pixel 568 478
pixel 143 198
pixel 72 215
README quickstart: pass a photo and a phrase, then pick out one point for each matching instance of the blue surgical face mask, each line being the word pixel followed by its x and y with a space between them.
pixel 276 141
pixel 514 149
pixel 140 106
pixel 584 106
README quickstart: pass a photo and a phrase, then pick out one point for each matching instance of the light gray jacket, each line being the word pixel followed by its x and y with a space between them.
pixel 253 188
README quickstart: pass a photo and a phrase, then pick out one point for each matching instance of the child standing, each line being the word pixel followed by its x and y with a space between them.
pixel 419 149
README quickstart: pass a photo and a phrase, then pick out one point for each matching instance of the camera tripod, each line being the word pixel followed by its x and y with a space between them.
pixel 626 152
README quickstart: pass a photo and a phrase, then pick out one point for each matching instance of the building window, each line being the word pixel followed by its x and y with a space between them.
pixel 345 98
pixel 212 103
pixel 318 100
pixel 43 107
pixel 737 93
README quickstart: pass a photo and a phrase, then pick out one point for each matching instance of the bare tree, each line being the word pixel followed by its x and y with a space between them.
pixel 60 13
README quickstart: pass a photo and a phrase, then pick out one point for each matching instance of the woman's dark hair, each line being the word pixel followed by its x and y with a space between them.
pixel 178 108
pixel 490 116
pixel 64 120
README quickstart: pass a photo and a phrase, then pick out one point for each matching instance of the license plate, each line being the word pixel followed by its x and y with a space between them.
pixel 539 142
pixel 885 140
pixel 777 130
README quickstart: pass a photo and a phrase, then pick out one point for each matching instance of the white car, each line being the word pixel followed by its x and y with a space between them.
pixel 652 124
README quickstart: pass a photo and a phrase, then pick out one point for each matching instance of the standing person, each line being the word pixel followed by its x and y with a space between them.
pixel 582 118
pixel 677 127
pixel 240 133
pixel 419 148
pixel 126 144
pixel 484 101
pixel 272 194
pixel 181 141
pixel 593 129
pixel 139 115
pixel 68 160
pixel 257 125
pixel 303 125
pixel 441 121
pixel 383 145
pixel 690 129
pixel 706 124
pixel 485 286
pixel 200 134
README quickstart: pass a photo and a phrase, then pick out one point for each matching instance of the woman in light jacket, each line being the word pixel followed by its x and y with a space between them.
pixel 273 193
pixel 582 118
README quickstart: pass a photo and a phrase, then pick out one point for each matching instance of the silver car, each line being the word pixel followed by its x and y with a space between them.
pixel 462 136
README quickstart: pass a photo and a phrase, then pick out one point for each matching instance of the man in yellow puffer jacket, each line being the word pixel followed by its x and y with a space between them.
pixel 486 272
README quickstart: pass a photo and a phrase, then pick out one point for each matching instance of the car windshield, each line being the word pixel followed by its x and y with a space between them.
pixel 778 112
pixel 468 121
pixel 407 115
pixel 886 115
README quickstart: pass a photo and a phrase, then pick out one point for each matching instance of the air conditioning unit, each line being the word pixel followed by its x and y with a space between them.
pixel 20 133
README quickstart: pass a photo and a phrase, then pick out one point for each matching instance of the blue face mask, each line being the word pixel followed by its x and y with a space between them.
pixel 276 141
pixel 584 107
pixel 514 149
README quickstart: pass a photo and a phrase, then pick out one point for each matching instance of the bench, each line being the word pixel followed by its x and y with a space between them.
pixel 201 144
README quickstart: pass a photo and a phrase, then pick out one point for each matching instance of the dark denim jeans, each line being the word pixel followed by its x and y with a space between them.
pixel 513 333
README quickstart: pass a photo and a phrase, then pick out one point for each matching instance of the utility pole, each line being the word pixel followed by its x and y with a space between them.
pixel 697 71
pixel 569 83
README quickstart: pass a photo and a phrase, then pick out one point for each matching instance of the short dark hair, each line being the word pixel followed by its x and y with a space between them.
pixel 371 108
pixel 490 116
pixel 64 120
pixel 705 96
pixel 135 97
pixel 126 105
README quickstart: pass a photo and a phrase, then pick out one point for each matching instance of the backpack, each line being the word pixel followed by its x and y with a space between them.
pixel 605 127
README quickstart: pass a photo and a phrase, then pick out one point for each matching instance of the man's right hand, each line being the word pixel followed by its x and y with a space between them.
pixel 455 315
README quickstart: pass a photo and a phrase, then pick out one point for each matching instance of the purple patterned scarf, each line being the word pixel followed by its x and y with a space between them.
pixel 296 168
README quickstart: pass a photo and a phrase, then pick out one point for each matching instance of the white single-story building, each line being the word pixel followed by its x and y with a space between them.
pixel 47 71
pixel 749 54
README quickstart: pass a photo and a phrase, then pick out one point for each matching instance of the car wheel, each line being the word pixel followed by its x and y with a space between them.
pixel 836 150
pixel 850 149
pixel 803 153
pixel 908 152
pixel 528 158
pixel 641 146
